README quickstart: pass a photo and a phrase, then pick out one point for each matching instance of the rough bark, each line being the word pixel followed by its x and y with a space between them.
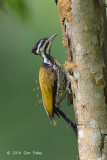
pixel 83 27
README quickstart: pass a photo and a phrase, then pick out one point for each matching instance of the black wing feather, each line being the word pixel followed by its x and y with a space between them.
pixel 54 89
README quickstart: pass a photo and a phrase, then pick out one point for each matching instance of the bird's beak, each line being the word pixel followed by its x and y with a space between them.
pixel 50 39
pixel 49 42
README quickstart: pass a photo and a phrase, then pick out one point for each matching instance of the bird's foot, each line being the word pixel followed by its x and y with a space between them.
pixel 68 87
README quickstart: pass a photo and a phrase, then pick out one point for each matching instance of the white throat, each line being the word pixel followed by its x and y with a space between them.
pixel 45 60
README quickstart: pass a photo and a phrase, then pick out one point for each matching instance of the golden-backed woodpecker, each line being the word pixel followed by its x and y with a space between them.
pixel 52 80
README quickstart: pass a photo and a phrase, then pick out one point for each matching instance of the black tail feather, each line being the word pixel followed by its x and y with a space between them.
pixel 55 111
pixel 59 112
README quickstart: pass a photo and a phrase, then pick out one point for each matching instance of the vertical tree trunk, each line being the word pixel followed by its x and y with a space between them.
pixel 83 27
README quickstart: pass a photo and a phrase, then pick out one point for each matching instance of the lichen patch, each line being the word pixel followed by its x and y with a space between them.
pixel 92 123
pixel 69 65
pixel 65 12
pixel 99 81
pixel 95 136
pixel 81 133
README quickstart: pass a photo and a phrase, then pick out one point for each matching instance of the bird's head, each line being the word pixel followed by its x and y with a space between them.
pixel 43 45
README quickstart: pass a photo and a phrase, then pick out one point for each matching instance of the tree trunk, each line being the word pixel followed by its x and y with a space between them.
pixel 83 27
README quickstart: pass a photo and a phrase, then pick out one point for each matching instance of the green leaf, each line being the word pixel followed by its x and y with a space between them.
pixel 19 6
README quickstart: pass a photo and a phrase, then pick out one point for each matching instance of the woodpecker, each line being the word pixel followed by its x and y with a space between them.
pixel 52 80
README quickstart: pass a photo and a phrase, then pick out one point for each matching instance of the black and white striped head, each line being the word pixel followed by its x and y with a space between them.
pixel 43 46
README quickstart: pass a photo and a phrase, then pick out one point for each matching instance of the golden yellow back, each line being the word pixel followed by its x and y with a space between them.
pixel 46 81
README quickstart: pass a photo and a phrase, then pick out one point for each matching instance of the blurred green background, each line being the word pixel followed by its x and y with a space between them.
pixel 24 125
